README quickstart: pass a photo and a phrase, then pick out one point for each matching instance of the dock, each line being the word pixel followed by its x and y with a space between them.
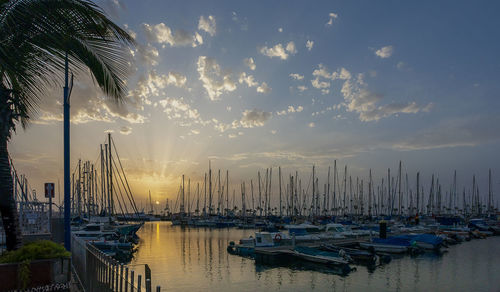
pixel 278 254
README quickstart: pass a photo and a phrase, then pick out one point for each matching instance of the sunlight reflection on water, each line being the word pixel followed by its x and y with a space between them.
pixel 196 259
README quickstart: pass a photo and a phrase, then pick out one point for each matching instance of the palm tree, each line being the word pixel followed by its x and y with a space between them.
pixel 36 38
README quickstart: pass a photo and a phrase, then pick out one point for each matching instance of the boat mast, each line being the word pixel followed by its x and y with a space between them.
pixel 260 196
pixel 328 194
pixel 313 193
pixel 227 192
pixel 209 189
pixel 399 191
pixel 279 181
pixel 112 206
pixel 205 196
pixel 370 195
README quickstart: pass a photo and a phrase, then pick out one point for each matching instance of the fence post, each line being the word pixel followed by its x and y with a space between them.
pixel 139 283
pixel 158 288
pixel 121 277
pixel 106 271
pixel 147 275
pixel 126 279
pixel 112 274
pixel 117 269
pixel 132 281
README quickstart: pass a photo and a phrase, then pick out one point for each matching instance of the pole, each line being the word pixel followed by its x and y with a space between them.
pixel 67 184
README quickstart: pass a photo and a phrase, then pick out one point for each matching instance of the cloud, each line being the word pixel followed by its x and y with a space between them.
pixel 250 63
pixel 248 79
pixel 309 45
pixel 88 104
pixel 280 29
pixel 311 125
pixel 384 52
pixel 302 88
pixel 263 88
pixel 250 119
pixel 290 47
pixel 214 80
pixel 125 130
pixel 296 76
pixel 153 85
pixel 179 110
pixel 207 24
pixel 332 17
pixel 457 132
pixel 279 51
pixel 162 34
pixel 323 73
pixel 148 55
pixel 290 109
pixel 254 118
pixel 357 98
pixel 250 82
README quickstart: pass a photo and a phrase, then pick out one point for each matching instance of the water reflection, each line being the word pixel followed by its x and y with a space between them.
pixel 196 259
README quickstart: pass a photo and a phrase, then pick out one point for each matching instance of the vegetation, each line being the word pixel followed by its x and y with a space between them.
pixel 36 37
pixel 37 250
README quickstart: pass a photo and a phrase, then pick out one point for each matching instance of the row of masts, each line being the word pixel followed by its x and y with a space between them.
pixel 340 195
pixel 101 188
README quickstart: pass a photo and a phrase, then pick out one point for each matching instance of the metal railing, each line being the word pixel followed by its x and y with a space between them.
pixel 95 271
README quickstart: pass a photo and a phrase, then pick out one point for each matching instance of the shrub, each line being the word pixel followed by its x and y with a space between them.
pixel 37 250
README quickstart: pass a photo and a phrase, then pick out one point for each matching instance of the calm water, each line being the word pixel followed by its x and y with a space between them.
pixel 195 259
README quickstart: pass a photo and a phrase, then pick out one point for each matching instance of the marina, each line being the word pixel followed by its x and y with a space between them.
pixel 187 259
pixel 229 146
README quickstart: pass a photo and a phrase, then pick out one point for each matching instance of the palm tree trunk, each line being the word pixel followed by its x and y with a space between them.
pixel 8 209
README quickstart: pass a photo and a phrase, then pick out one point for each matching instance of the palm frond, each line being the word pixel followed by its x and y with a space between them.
pixel 35 36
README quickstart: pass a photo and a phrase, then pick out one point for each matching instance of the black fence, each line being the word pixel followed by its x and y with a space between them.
pixel 95 271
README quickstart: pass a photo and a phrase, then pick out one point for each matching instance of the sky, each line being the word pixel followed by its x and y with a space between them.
pixel 251 85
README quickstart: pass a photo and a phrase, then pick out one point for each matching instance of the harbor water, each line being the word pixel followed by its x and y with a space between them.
pixel 196 259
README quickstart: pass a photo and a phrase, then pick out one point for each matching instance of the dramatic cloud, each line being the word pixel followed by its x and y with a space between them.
pixel 162 34
pixel 250 63
pixel 254 118
pixel 207 24
pixel 332 17
pixel 384 52
pixel 279 51
pixel 309 45
pixel 214 80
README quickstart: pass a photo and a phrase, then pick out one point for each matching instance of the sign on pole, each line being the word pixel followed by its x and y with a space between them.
pixel 49 190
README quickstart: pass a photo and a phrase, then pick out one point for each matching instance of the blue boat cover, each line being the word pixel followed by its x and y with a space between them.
pixel 426 238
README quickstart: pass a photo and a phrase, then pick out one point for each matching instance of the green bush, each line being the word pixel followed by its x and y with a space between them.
pixel 37 250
